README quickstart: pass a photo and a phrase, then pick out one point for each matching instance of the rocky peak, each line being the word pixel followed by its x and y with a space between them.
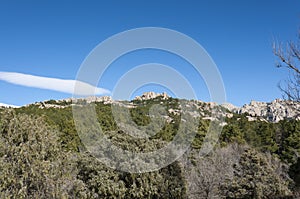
pixel 230 107
pixel 273 111
pixel 152 95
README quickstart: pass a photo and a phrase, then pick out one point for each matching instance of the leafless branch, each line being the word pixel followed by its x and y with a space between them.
pixel 289 57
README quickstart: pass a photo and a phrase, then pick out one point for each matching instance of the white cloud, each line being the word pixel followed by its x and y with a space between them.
pixel 55 84
pixel 8 105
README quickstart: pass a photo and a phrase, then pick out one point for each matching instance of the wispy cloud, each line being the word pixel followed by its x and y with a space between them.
pixel 8 105
pixel 55 84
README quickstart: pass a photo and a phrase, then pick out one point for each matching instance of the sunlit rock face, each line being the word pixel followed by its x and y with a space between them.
pixel 274 111
pixel 151 95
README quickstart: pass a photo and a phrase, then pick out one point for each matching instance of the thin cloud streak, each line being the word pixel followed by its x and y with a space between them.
pixel 8 105
pixel 54 84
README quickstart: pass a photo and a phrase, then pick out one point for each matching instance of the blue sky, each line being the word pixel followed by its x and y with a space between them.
pixel 52 38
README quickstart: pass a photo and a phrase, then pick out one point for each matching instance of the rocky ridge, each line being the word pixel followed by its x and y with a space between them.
pixel 152 95
pixel 273 111
pixel 265 111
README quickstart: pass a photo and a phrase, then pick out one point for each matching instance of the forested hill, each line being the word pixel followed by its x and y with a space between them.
pixel 256 156
pixel 274 111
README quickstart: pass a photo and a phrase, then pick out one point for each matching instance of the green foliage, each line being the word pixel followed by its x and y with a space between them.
pixel 55 102
pixel 288 133
pixel 257 176
pixel 105 117
pixel 32 162
pixel 294 172
pixel 140 115
pixel 60 119
pixel 41 154
pixel 35 163
pixel 231 133
pixel 266 133
pixel 108 183
pixel 100 181
pixel 200 135
pixel 281 139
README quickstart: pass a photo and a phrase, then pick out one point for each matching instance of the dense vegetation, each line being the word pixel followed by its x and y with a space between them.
pixel 42 157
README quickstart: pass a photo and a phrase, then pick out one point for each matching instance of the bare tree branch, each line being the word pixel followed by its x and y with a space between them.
pixel 295 51
pixel 289 57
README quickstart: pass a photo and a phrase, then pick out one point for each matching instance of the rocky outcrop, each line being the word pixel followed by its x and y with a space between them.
pixel 230 107
pixel 270 112
pixel 152 95
pixel 273 112
pixel 90 99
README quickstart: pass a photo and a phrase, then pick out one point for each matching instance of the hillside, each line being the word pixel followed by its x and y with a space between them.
pixel 255 156
pixel 274 111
